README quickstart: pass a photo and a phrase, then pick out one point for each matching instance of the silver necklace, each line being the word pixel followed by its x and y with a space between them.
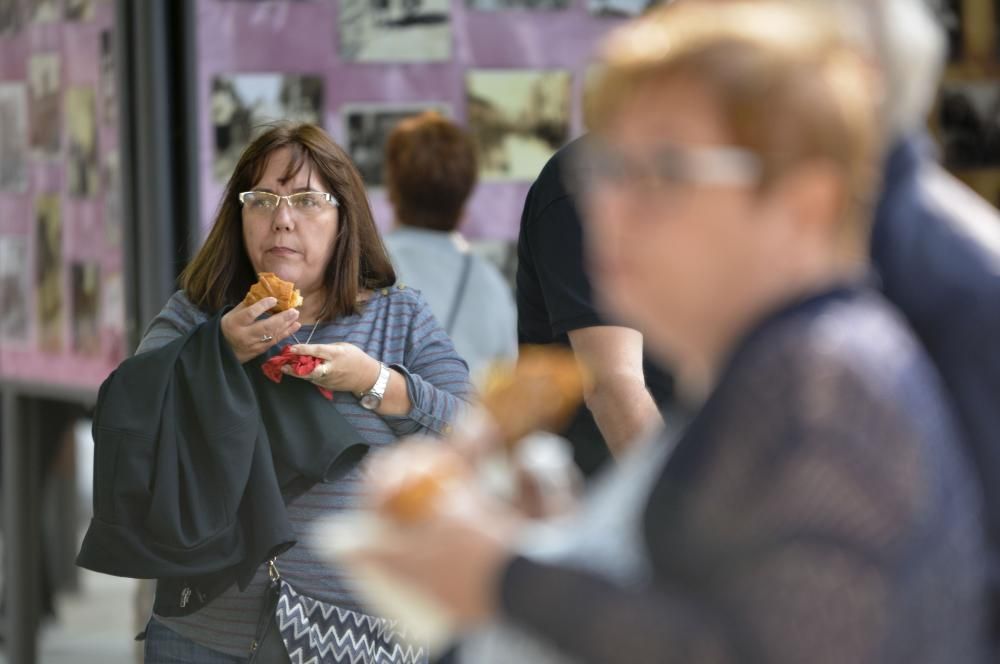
pixel 309 338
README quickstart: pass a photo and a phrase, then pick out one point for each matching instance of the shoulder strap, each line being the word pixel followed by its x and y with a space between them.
pixel 459 293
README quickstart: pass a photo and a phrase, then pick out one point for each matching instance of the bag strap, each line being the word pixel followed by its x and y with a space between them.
pixel 463 282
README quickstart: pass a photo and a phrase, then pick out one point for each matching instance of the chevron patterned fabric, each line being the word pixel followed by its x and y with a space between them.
pixel 316 632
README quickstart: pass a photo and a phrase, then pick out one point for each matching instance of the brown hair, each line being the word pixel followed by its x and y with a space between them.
pixel 221 272
pixel 790 85
pixel 430 170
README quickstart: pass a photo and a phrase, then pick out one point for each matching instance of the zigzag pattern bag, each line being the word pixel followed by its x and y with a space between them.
pixel 303 630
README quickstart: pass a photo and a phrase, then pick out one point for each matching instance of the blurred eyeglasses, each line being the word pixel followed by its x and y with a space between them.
pixel 664 167
pixel 304 203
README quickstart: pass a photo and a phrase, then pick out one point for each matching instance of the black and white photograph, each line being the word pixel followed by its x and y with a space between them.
pixel 44 11
pixel 81 135
pixel 14 285
pixel 503 5
pixel 44 115
pixel 49 295
pixel 395 30
pixel 86 281
pixel 241 104
pixel 78 10
pixel 368 126
pixel 518 119
pixel 620 8
pixel 969 122
pixel 13 137
pixel 108 96
pixel 11 16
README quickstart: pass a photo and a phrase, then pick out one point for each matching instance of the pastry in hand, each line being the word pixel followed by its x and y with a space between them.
pixel 540 392
pixel 271 285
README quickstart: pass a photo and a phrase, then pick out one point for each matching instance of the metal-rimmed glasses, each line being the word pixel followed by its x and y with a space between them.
pixel 304 203
pixel 666 166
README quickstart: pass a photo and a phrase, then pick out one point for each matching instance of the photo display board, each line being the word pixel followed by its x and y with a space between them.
pixel 62 314
pixel 510 71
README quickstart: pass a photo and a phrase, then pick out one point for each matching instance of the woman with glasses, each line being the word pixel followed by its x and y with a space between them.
pixel 817 508
pixel 296 206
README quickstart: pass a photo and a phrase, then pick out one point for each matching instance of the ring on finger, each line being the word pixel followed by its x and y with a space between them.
pixel 266 338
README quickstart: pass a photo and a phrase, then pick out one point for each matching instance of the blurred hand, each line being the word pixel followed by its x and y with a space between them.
pixel 457 549
pixel 250 337
pixel 346 368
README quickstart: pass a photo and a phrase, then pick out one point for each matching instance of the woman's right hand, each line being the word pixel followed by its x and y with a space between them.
pixel 250 337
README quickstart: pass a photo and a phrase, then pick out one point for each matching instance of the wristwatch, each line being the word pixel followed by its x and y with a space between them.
pixel 372 399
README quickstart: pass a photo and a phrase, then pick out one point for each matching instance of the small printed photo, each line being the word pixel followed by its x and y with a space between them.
pixel 78 10
pixel 44 116
pixel 518 119
pixel 81 135
pixel 969 122
pixel 621 8
pixel 43 11
pixel 395 30
pixel 13 137
pixel 85 278
pixel 14 288
pixel 111 186
pixel 502 5
pixel 241 104
pixel 49 296
pixel 108 83
pixel 368 127
pixel 11 17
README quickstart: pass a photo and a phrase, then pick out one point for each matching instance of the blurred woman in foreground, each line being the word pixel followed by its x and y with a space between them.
pixel 817 508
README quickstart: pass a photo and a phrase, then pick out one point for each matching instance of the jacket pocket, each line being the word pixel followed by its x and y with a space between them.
pixel 123 476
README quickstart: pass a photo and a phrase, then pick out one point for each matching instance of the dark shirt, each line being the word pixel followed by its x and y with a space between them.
pixel 936 245
pixel 554 294
pixel 817 509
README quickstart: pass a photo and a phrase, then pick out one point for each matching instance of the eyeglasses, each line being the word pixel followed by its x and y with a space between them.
pixel 666 166
pixel 304 203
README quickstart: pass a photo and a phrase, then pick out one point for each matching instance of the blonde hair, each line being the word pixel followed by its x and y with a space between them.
pixel 790 86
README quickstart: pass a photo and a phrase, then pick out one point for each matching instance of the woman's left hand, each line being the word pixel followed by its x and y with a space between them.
pixel 345 367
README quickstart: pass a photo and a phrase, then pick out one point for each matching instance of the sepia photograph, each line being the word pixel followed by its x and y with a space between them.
pixel 969 124
pixel 395 30
pixel 242 103
pixel 108 85
pixel 111 186
pixel 81 137
pixel 49 297
pixel 43 11
pixel 502 5
pixel 14 288
pixel 368 126
pixel 85 278
pixel 518 119
pixel 78 10
pixel 11 17
pixel 44 86
pixel 13 137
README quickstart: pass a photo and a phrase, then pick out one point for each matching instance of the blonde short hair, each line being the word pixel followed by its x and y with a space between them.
pixel 789 84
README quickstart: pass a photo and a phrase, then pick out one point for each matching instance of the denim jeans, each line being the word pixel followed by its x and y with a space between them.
pixel 165 646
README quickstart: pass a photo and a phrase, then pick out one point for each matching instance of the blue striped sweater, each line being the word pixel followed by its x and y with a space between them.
pixel 395 326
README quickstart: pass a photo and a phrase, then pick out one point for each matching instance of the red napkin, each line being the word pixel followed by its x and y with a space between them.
pixel 301 366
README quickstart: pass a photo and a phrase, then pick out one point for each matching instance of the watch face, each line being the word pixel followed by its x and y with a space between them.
pixel 370 401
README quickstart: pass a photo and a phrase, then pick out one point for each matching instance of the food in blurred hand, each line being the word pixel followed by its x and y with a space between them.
pixel 271 285
pixel 540 392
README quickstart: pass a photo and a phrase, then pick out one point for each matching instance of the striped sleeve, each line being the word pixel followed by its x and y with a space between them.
pixel 437 379
pixel 178 317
